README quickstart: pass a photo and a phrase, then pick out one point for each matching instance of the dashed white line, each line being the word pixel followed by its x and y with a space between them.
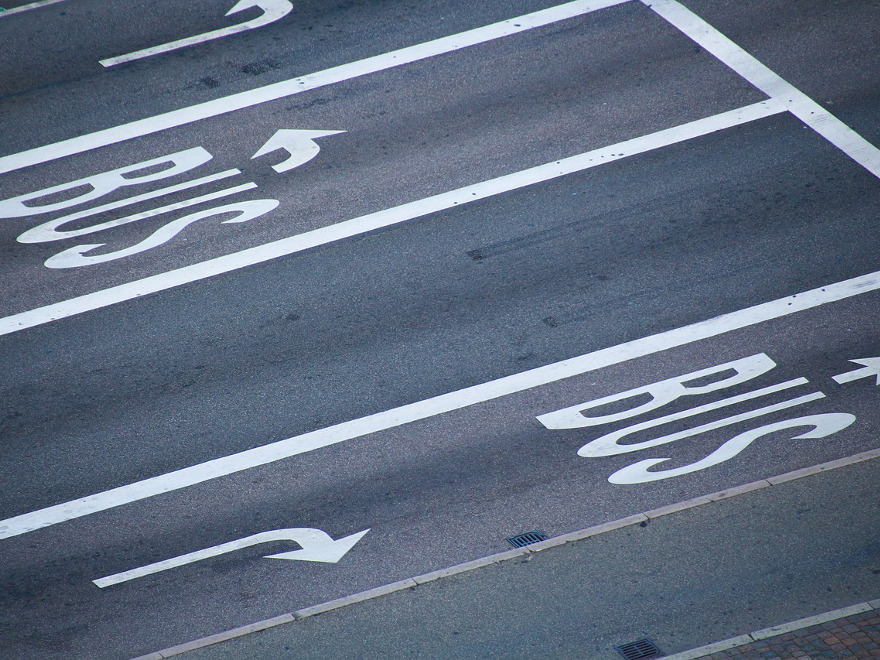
pixel 437 405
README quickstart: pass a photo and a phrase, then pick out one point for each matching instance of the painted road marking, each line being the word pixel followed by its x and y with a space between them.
pixel 437 405
pixel 315 545
pixel 305 83
pixel 49 231
pixel 821 426
pixel 243 211
pixel 386 218
pixel 554 542
pixel 96 186
pixel 756 73
pixel 28 7
pixel 272 11
pixel 870 369
pixel 608 445
pixel 300 146
pixel 725 50
pixel 672 11
pixel 670 390
pixel 784 97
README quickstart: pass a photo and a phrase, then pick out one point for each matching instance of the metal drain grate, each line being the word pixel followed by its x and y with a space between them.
pixel 643 648
pixel 527 539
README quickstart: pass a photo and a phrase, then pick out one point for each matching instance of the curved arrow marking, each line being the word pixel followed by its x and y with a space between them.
pixel 272 11
pixel 316 546
pixel 299 144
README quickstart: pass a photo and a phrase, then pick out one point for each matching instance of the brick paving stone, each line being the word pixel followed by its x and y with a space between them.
pixel 856 636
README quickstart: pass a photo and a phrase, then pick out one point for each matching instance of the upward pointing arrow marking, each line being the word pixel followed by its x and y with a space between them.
pixel 870 369
pixel 300 144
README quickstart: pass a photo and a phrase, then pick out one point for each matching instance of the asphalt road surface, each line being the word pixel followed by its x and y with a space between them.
pixel 413 277
pixel 708 573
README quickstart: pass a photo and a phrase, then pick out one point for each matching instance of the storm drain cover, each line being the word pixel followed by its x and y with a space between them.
pixel 527 539
pixel 643 648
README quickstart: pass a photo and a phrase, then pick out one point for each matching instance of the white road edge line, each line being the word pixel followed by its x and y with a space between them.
pixel 33 5
pixel 555 542
pixel 308 82
pixel 437 405
pixel 759 75
pixel 385 218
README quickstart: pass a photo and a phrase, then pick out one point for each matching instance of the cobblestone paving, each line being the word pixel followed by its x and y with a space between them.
pixel 856 636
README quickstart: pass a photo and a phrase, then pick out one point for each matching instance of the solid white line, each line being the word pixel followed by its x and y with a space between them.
pixel 304 83
pixel 798 103
pixel 33 5
pixel 437 405
pixel 386 218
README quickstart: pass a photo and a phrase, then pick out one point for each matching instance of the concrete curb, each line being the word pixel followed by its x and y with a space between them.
pixel 556 541
pixel 773 631
pixel 354 598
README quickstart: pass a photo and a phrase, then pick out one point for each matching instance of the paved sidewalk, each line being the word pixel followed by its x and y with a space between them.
pixel 803 546
pixel 853 632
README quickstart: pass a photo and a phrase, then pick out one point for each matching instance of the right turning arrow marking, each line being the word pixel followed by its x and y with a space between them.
pixel 316 546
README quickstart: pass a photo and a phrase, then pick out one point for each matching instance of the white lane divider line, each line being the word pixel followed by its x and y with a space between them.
pixel 437 405
pixel 386 218
pixel 28 7
pixel 773 85
pixel 273 10
pixel 305 83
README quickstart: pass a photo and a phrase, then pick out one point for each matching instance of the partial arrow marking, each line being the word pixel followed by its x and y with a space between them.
pixel 316 546
pixel 870 369
pixel 321 548
pixel 300 144
pixel 272 11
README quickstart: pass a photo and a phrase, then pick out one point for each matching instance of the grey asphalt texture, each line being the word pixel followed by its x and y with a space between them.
pixel 457 298
pixel 683 580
